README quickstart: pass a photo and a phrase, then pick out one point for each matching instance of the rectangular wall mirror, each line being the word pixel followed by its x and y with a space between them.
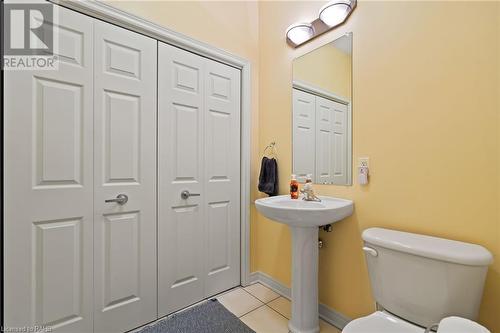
pixel 322 113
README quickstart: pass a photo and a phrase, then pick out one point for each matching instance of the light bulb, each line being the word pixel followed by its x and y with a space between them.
pixel 335 12
pixel 299 33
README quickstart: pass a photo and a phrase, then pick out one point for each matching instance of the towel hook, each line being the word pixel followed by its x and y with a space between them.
pixel 271 146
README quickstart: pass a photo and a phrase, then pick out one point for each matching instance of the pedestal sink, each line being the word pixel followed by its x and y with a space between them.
pixel 304 219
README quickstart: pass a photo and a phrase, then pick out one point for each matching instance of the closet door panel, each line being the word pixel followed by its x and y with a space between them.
pixel 49 188
pixel 340 144
pixel 304 132
pixel 324 141
pixel 125 163
pixel 181 163
pixel 222 177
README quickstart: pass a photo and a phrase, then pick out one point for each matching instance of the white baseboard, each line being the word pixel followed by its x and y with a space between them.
pixel 333 317
pixel 327 314
pixel 271 283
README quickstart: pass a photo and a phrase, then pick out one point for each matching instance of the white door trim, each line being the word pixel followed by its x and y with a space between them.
pixel 132 22
pixel 309 88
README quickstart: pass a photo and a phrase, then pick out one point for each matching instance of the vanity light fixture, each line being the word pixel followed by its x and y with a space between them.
pixel 331 15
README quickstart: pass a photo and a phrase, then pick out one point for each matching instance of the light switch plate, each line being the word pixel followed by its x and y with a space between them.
pixel 364 162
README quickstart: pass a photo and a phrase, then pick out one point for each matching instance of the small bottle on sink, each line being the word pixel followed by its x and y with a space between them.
pixel 294 188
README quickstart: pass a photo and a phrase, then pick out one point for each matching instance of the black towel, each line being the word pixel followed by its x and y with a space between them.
pixel 268 178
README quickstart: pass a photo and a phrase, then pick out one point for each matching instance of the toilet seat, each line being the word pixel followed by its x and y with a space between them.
pixel 381 322
pixel 455 324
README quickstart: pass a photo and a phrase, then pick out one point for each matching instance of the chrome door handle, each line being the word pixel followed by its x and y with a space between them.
pixel 120 199
pixel 185 194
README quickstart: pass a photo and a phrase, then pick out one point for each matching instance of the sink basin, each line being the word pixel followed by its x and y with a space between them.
pixel 304 218
pixel 301 213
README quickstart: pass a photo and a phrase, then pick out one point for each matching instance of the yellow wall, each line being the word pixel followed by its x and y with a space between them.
pixel 231 26
pixel 327 68
pixel 426 112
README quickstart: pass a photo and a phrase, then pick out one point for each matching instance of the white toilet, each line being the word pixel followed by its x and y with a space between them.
pixel 418 280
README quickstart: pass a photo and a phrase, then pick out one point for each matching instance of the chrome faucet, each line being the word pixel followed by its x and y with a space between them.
pixel 309 195
pixel 308 191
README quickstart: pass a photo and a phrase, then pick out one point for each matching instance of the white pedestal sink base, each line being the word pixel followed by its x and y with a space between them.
pixel 304 218
pixel 305 314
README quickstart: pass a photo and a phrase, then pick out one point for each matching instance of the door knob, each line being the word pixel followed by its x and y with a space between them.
pixel 185 194
pixel 120 199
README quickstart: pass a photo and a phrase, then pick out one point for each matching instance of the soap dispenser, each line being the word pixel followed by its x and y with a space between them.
pixel 294 187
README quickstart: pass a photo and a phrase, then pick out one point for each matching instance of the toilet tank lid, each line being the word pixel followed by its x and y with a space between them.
pixel 429 247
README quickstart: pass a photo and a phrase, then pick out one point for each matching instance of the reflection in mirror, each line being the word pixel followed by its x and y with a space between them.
pixel 322 113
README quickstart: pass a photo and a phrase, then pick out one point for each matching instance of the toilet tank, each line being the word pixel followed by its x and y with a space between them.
pixel 423 279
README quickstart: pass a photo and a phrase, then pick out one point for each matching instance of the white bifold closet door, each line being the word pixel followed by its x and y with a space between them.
pixel 75 137
pixel 124 163
pixel 304 128
pixel 320 123
pixel 49 186
pixel 199 152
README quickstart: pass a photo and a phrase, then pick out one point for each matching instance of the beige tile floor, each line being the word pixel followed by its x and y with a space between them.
pixel 262 309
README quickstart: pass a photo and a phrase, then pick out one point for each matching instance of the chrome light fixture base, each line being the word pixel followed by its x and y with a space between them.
pixel 331 15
